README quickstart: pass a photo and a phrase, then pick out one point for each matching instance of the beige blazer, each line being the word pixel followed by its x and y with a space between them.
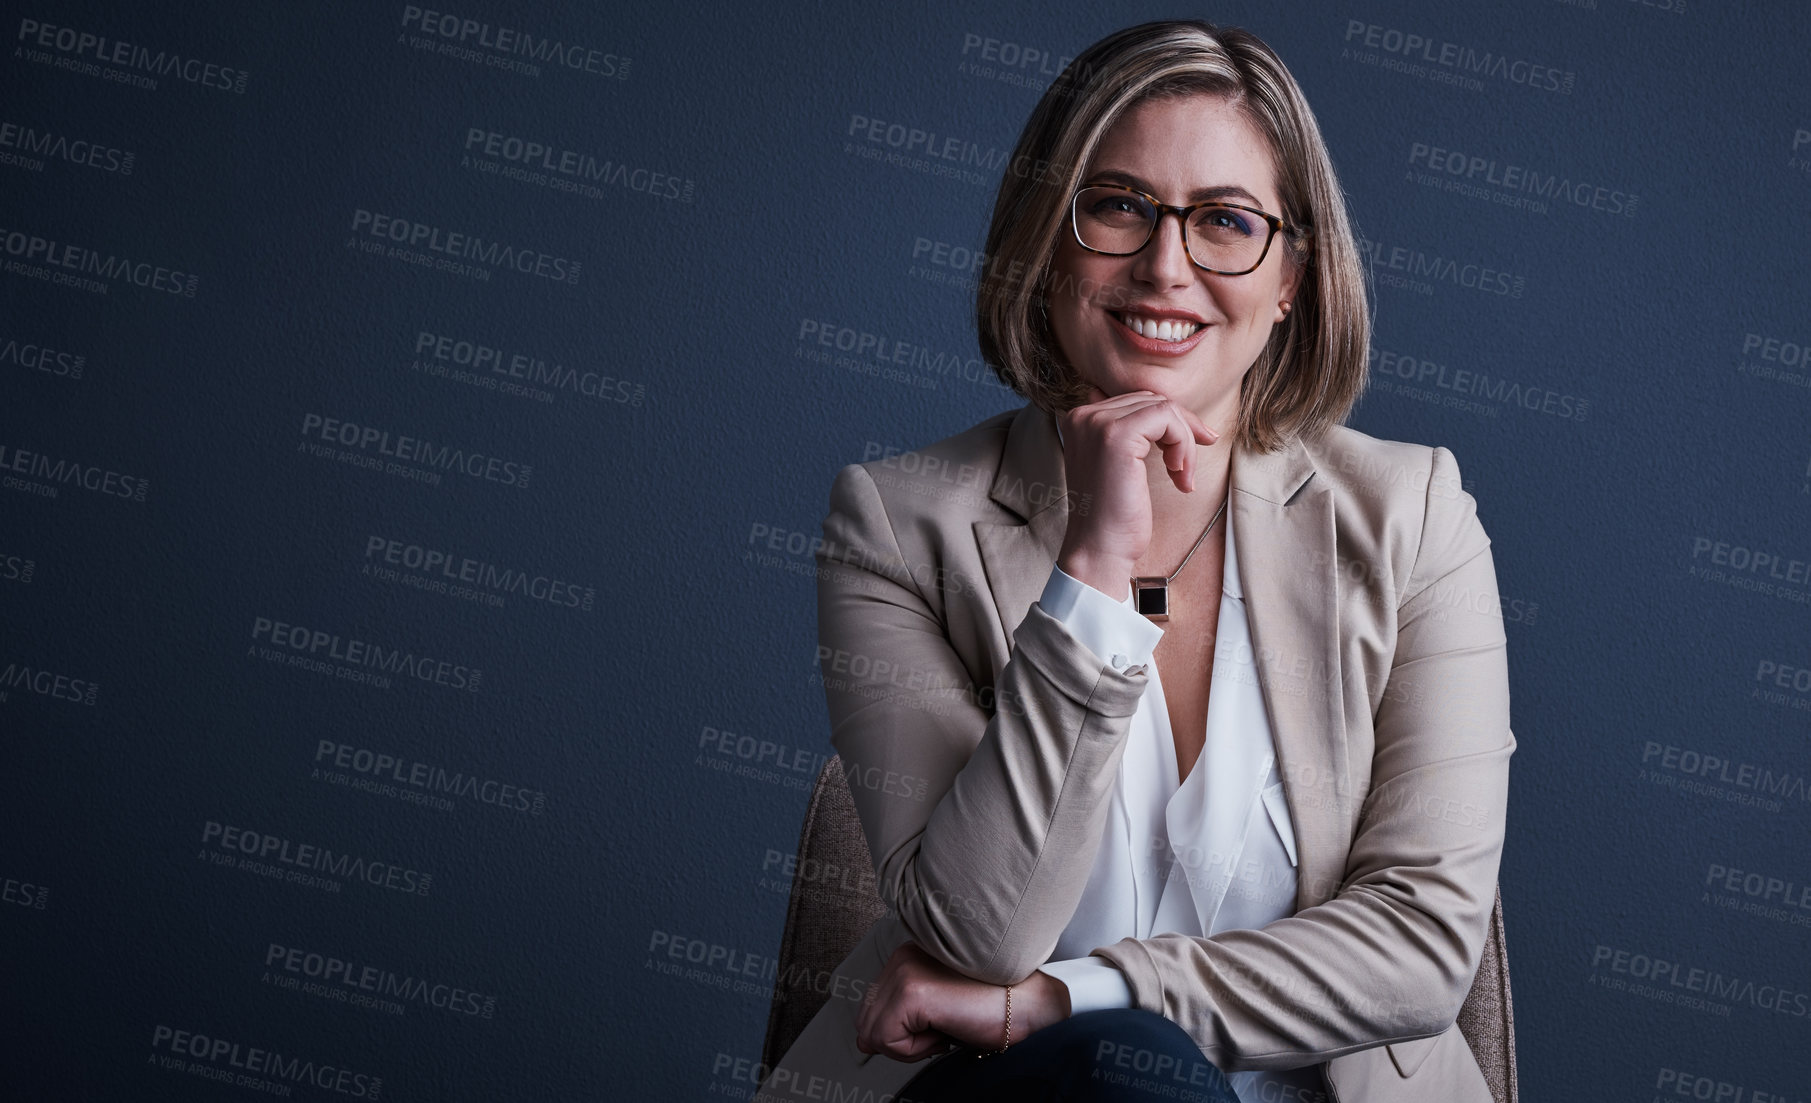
pixel 981 742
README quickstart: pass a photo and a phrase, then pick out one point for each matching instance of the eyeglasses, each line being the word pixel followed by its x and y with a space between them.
pixel 1224 238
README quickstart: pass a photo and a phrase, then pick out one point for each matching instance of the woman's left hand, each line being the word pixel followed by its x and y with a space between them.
pixel 918 1006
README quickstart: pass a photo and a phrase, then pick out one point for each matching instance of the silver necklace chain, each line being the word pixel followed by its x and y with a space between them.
pixel 1199 542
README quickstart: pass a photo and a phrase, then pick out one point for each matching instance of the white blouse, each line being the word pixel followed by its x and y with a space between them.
pixel 1213 853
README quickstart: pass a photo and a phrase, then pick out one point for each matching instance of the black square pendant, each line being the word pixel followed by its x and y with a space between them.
pixel 1151 596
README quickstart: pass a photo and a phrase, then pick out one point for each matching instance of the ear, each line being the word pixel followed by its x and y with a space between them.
pixel 1291 283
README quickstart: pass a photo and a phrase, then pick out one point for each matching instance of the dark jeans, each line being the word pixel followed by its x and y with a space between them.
pixel 1116 1055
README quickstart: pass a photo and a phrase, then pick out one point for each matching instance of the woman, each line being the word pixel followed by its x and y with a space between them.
pixel 1276 862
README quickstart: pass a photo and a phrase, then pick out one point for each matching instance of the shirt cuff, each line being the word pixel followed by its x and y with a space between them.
pixel 1094 983
pixel 1114 630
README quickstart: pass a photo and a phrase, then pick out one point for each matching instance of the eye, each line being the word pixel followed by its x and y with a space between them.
pixel 1227 221
pixel 1120 204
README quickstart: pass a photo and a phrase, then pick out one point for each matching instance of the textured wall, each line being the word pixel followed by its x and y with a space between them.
pixel 343 340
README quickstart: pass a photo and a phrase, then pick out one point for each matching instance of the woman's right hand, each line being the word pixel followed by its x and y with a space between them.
pixel 1105 442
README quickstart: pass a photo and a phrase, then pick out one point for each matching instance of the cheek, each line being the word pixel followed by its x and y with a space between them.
pixel 1068 276
pixel 1074 285
pixel 1254 304
pixel 1093 284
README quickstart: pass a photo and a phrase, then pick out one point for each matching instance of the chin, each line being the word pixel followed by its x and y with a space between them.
pixel 1163 379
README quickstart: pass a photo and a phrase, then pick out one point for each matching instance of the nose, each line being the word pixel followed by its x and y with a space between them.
pixel 1163 263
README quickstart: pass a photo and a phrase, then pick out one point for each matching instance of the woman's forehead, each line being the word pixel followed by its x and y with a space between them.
pixel 1178 148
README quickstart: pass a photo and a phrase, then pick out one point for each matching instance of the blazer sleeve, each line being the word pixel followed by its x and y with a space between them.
pixel 1391 955
pixel 982 810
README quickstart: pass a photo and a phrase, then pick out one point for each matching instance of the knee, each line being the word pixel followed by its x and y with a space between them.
pixel 1132 1046
pixel 1129 1039
pixel 1129 1026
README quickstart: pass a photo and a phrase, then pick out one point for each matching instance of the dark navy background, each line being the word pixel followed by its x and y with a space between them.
pixel 1652 457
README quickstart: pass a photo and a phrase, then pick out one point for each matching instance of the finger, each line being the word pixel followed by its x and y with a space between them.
pixel 864 1018
pixel 1107 404
pixel 1121 400
pixel 871 1025
pixel 1192 423
pixel 1177 439
pixel 1131 400
pixel 902 1042
pixel 1171 427
pixel 1163 423
pixel 1204 432
pixel 1116 408
pixel 927 1044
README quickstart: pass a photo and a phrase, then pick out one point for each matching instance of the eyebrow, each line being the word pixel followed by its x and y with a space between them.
pixel 1199 195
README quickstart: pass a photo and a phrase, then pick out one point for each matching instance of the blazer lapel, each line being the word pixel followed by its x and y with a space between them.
pixel 1018 555
pixel 1286 544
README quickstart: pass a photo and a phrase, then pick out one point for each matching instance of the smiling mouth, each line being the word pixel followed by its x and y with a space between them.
pixel 1158 329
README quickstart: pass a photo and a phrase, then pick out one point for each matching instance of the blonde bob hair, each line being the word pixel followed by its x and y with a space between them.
pixel 1313 368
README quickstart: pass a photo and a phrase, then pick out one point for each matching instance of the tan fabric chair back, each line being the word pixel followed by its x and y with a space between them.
pixel 834 902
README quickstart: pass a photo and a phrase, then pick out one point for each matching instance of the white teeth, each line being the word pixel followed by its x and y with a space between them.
pixel 1160 330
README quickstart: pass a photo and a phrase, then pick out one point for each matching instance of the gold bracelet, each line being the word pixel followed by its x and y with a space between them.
pixel 1007 1042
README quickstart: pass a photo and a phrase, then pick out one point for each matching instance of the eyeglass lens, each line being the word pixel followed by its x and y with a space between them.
pixel 1225 238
